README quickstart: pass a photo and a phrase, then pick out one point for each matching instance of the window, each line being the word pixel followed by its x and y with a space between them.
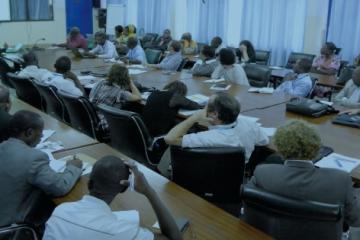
pixel 31 10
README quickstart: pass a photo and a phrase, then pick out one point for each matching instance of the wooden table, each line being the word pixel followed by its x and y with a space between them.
pixel 69 137
pixel 206 220
pixel 342 139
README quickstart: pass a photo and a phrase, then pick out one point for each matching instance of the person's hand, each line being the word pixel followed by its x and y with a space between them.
pixel 243 48
pixel 75 162
pixel 350 112
pixel 140 183
pixel 290 76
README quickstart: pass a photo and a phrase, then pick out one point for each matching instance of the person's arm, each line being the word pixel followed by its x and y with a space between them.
pixel 203 69
pixel 57 184
pixel 137 58
pixel 135 93
pixel 343 93
pixel 73 77
pixel 166 221
pixel 174 136
pixel 94 50
pixel 218 72
pixel 240 76
pixel 183 102
pixel 110 51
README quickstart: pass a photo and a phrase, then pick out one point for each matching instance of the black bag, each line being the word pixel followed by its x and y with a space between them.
pixel 309 107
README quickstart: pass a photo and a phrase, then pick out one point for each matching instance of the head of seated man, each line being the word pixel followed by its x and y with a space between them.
pixel 174 46
pixel 226 57
pixel 100 38
pixel 30 59
pixel 26 126
pixel 216 42
pixel 207 53
pixel 132 42
pixel 63 65
pixel 302 65
pixel 74 32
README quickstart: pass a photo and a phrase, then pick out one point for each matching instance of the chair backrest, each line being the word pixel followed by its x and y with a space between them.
pixel 314 82
pixel 258 75
pixel 148 40
pixel 82 113
pixel 4 69
pixel 294 56
pixel 215 174
pixel 345 75
pixel 182 64
pixel 288 218
pixel 18 231
pixel 54 105
pixel 343 64
pixel 25 90
pixel 152 55
pixel 262 57
pixel 128 133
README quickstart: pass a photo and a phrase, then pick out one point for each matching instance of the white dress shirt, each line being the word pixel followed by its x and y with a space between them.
pixel 65 85
pixel 92 219
pixel 234 74
pixel 137 53
pixel 108 50
pixel 349 96
pixel 241 133
pixel 299 87
pixel 33 71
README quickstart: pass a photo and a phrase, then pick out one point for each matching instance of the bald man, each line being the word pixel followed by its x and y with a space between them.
pixel 25 174
pixel 5 105
pixel 91 218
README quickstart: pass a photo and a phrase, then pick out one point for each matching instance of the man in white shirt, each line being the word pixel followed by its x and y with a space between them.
pixel 104 48
pixel 349 96
pixel 136 54
pixel 226 129
pixel 32 69
pixel 298 83
pixel 91 217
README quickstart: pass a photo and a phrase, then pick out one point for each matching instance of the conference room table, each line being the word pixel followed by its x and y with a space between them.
pixel 66 135
pixel 206 220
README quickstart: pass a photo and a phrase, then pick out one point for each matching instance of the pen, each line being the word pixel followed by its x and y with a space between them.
pixel 338 162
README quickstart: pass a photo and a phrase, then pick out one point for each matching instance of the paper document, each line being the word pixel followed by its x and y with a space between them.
pixel 199 98
pixel 59 165
pixel 220 87
pixel 86 79
pixel 136 66
pixel 49 146
pixel 261 90
pixel 338 161
pixel 269 131
pixel 327 102
pixel 136 71
pixel 214 80
pixel 253 119
pixel 46 134
pixel 145 95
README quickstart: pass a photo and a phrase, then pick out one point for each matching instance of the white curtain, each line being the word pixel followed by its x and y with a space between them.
pixel 344 27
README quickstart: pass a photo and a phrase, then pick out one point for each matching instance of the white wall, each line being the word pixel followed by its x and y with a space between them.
pixel 28 32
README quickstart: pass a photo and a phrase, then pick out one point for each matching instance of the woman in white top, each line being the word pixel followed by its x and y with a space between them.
pixel 230 71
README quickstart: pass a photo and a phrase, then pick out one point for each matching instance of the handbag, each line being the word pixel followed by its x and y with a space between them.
pixel 309 107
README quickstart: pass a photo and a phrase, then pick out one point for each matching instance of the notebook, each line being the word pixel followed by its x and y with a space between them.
pixel 348 120
pixel 220 87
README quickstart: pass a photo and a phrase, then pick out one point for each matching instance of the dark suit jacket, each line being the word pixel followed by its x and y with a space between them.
pixel 302 180
pixel 24 175
pixel 4 125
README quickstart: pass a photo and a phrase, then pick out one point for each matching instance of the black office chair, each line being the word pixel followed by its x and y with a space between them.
pixel 287 218
pixel 83 116
pixel 152 56
pixel 345 75
pixel 314 83
pixel 215 174
pixel 294 56
pixel 54 105
pixel 258 75
pixel 200 46
pixel 182 64
pixel 343 64
pixel 148 40
pixel 262 57
pixel 25 90
pixel 130 136
pixel 4 69
pixel 18 230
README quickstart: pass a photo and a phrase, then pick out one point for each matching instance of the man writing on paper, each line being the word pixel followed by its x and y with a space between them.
pixel 91 217
pixel 25 173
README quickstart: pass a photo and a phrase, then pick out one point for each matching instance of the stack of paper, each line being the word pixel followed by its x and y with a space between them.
pixel 220 87
pixel 214 80
pixel 338 161
pixel 136 66
pixel 87 79
pixel 199 98
pixel 136 71
pixel 59 165
pixel 261 90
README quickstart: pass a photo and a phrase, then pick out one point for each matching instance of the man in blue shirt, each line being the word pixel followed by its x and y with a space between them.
pixel 172 60
pixel 298 83
pixel 136 54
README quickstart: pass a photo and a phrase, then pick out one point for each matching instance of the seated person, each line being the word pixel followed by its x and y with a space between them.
pixel 228 70
pixel 226 129
pixel 32 69
pixel 119 30
pixel 299 83
pixel 5 117
pixel 207 63
pixel 172 60
pixel 92 218
pixel 65 80
pixel 162 43
pixel 31 174
pixel 136 54
pixel 328 62
pixel 104 48
pixel 349 96
pixel 74 40
pixel 3 49
pixel 217 44
pixel 164 106
pixel 115 90
pixel 356 62
pixel 299 178
pixel 246 52
pixel 189 46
